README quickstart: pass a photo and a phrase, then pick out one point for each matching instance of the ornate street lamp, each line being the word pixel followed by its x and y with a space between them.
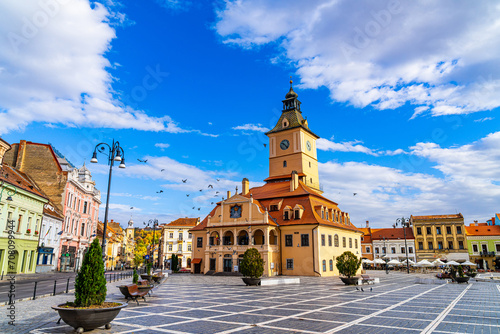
pixel 154 223
pixel 10 192
pixel 114 153
pixel 405 222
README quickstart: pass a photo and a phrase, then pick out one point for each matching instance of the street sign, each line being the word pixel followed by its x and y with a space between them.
pixel 146 257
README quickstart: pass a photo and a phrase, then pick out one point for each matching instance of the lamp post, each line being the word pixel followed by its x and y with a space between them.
pixel 154 223
pixel 405 222
pixel 385 255
pixel 114 153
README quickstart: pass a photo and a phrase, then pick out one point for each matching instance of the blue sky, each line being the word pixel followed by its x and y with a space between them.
pixel 404 96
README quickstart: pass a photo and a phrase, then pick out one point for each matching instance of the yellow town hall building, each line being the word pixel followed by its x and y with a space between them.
pixel 296 229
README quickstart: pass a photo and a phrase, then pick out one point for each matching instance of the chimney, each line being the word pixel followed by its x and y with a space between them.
pixel 294 183
pixel 228 194
pixel 367 224
pixel 245 186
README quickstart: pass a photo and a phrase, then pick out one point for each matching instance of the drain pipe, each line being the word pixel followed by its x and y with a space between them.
pixel 314 260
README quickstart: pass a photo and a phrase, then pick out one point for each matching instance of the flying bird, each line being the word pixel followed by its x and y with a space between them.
pixel 216 192
pixel 159 192
pixel 199 209
pixel 187 195
pixel 265 145
pixel 142 160
pixel 184 181
pixel 354 194
pixel 131 208
pixel 201 189
pixel 193 207
pixel 162 169
pixel 212 203
pixel 210 186
pixel 218 180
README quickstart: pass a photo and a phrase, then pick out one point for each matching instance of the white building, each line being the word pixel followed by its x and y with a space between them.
pixel 176 239
pixel 389 243
pixel 50 239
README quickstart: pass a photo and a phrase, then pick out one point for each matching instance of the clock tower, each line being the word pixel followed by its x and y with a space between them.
pixel 292 145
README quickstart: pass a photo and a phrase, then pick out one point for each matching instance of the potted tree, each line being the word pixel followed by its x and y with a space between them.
pixel 461 277
pixel 348 265
pixel 135 277
pixel 252 267
pixel 147 275
pixel 90 310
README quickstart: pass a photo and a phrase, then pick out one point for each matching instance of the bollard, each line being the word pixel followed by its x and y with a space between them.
pixel 55 282
pixel 34 291
pixel 67 286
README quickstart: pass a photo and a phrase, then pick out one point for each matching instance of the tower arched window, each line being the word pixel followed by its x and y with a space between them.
pixel 284 163
pixel 336 240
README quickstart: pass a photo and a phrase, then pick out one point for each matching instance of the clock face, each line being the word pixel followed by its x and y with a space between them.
pixel 285 144
pixel 308 144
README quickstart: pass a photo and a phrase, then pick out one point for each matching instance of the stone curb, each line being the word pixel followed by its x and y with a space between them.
pixel 37 297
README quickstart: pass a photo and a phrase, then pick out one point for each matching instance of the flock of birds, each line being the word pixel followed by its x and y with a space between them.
pixel 210 186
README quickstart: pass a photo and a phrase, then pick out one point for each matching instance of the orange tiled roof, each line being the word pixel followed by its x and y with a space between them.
pixel 392 233
pixel 19 180
pixel 483 230
pixel 184 222
pixel 51 210
pixel 436 217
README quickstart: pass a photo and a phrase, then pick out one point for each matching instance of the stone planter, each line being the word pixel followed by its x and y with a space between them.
pixel 472 274
pixel 251 281
pixel 464 279
pixel 88 319
pixel 147 277
pixel 350 280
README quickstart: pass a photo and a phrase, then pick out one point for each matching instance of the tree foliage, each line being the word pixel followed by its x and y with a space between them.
pixel 175 263
pixel 348 264
pixel 90 284
pixel 135 277
pixel 138 259
pixel 148 268
pixel 252 264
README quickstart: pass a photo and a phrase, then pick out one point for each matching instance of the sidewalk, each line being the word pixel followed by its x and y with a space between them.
pixel 35 313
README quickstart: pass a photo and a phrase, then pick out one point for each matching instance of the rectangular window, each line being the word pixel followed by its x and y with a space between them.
pixel 324 265
pixel 438 229
pixel 393 250
pixel 285 215
pixel 180 236
pixel 289 264
pixel 450 245
pixel 497 247
pixel 384 250
pixel 273 208
pixel 410 250
pixel 350 242
pixel 460 243
pixel 226 240
pixel 211 241
pixel 376 250
pixel 169 247
pixel 344 243
pixel 330 240
pixel 419 230
pixel 323 240
pixel 190 235
pixel 29 223
pixel 430 245
pixel 440 245
pixel 475 249
pixel 429 231
pixel 420 245
pixel 83 229
pixel 403 250
pixel 368 249
pixel 297 214
pixel 179 247
pixel 459 229
pixel 199 242
pixel 448 229
pixel 356 243
pixel 189 247
pixel 85 207
pixel 304 240
pixel 171 235
pixel 289 240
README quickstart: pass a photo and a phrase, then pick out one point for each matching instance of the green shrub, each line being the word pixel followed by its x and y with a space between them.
pixel 90 283
pixel 175 263
pixel 252 264
pixel 135 277
pixel 461 271
pixel 348 264
pixel 148 268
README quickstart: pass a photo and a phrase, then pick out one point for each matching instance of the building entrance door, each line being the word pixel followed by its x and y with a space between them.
pixel 228 265
pixel 197 268
pixel 212 264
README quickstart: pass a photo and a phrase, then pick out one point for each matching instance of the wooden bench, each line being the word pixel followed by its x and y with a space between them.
pixel 367 279
pixel 143 285
pixel 132 292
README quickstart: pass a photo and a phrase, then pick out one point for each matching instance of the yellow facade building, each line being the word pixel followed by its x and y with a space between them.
pixel 296 229
pixel 175 238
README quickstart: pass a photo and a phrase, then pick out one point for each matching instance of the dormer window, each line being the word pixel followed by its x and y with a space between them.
pixel 287 213
pixel 285 123
pixel 273 208
pixel 298 210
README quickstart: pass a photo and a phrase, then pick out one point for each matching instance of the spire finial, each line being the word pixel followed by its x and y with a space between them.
pixel 291 81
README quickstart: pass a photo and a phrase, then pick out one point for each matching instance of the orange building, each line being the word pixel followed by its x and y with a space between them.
pixel 296 229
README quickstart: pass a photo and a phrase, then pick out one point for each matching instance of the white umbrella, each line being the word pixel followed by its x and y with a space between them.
pixel 438 262
pixel 452 263
pixel 424 263
pixel 367 261
pixel 379 261
pixel 468 263
pixel 409 261
pixel 394 262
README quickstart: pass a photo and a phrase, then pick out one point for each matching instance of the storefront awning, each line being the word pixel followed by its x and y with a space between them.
pixel 196 261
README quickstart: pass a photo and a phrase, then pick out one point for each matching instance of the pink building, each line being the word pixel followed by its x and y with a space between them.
pixel 81 211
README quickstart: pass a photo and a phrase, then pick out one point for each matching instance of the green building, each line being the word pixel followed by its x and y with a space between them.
pixel 21 212
pixel 483 241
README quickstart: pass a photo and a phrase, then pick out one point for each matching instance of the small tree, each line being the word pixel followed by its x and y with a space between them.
pixel 175 263
pixel 137 260
pixel 252 264
pixel 135 277
pixel 90 284
pixel 348 264
pixel 148 268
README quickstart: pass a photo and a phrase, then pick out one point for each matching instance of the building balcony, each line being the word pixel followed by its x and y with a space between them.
pixel 487 254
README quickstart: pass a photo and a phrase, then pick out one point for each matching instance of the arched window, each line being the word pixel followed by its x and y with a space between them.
pixel 344 244
pixel 324 265
pixel 336 240
pixel 331 265
pixel 350 242
pixel 284 163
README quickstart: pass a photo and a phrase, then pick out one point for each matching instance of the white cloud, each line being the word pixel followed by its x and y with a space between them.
pixel 174 4
pixel 123 207
pixel 251 127
pixel 440 57
pixel 163 146
pixel 352 146
pixel 480 120
pixel 53 68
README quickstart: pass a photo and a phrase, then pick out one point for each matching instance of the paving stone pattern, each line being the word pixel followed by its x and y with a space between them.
pixel 197 304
